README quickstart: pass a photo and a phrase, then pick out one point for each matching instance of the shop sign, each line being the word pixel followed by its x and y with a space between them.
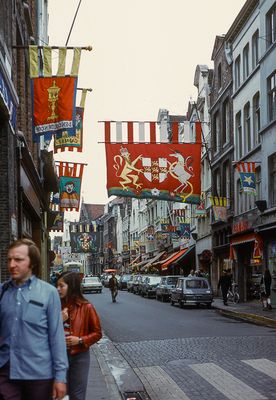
pixel 6 98
pixel 240 226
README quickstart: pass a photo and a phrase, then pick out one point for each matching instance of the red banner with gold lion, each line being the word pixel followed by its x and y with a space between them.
pixel 167 171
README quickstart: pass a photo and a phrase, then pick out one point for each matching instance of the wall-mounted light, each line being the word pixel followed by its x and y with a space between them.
pixel 261 205
pixel 194 235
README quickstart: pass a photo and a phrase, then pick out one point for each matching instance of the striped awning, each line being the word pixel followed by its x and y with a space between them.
pixel 153 260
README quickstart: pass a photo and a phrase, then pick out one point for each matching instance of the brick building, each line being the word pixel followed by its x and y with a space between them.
pixel 27 172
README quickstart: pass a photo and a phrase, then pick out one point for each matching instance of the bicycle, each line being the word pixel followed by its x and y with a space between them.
pixel 233 294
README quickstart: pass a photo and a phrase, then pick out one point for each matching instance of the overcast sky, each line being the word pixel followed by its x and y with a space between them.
pixel 144 57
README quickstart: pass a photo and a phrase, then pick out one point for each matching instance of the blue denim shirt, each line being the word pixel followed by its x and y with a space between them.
pixel 31 332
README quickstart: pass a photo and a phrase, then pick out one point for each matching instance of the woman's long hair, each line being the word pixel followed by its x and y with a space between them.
pixel 74 293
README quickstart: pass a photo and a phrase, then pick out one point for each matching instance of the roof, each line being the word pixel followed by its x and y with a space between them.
pixel 92 211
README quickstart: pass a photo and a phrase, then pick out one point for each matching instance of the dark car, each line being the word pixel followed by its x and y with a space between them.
pixel 163 290
pixel 148 287
pixel 192 291
pixel 123 281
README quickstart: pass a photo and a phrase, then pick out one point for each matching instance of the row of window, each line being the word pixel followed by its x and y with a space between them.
pixel 242 73
pixel 247 131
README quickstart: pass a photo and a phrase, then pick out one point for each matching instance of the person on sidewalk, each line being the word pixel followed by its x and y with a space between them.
pixel 224 284
pixel 266 292
pixel 33 360
pixel 82 328
pixel 113 286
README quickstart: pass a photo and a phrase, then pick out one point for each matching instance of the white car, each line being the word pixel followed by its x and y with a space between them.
pixel 91 284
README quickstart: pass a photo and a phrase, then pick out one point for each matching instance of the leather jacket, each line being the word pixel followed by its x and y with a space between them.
pixel 84 323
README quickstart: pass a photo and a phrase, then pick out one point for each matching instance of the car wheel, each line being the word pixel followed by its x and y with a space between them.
pixel 162 299
pixel 172 303
pixel 197 304
pixel 209 305
pixel 181 305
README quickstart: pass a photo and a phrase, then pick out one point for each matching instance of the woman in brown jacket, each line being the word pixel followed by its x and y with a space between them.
pixel 82 329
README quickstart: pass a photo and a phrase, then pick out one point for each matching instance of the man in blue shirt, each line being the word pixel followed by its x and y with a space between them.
pixel 33 359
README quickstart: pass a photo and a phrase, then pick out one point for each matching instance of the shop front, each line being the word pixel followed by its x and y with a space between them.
pixel 246 253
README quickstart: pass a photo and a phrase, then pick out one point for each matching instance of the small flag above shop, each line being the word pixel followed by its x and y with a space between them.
pixel 70 177
pixel 247 171
pixel 72 139
pixel 53 96
pixel 159 170
pixel 219 205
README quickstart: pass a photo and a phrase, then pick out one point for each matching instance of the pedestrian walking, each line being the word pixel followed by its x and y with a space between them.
pixel 266 289
pixel 33 360
pixel 113 286
pixel 224 284
pixel 82 329
pixel 192 273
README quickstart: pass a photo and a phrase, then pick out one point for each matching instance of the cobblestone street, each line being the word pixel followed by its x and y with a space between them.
pixel 219 366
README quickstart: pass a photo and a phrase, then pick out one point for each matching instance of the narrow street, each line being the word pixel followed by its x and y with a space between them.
pixel 189 353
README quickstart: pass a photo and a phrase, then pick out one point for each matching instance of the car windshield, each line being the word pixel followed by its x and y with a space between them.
pixel 126 278
pixel 91 279
pixel 172 280
pixel 154 279
pixel 196 284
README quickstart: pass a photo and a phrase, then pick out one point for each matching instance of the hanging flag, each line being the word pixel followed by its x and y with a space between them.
pixel 247 176
pixel 168 171
pixel 70 176
pixel 68 139
pixel 55 221
pixel 219 205
pixel 53 96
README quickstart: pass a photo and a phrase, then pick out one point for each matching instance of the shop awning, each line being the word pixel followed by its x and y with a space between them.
pixel 135 260
pixel 140 264
pixel 251 237
pixel 175 257
pixel 153 260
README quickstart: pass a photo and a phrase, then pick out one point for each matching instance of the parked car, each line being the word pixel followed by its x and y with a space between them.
pixel 141 284
pixel 106 280
pixel 130 283
pixel 163 290
pixel 136 280
pixel 123 281
pixel 149 285
pixel 192 291
pixel 91 284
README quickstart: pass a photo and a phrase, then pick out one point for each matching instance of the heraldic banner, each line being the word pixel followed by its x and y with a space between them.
pixel 167 171
pixel 70 176
pixel 53 97
pixel 72 140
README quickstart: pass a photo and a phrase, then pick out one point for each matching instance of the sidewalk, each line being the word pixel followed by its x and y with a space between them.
pixel 111 378
pixel 251 312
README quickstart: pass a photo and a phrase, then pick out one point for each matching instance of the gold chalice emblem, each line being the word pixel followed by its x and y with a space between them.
pixel 53 92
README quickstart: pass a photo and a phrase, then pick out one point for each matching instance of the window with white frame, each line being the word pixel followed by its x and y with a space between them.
pixel 255 49
pixel 245 56
pixel 246 123
pixel 256 119
pixel 239 138
pixel 216 132
pixel 237 72
pixel 271 26
pixel 271 96
pixel 272 179
pixel 225 122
